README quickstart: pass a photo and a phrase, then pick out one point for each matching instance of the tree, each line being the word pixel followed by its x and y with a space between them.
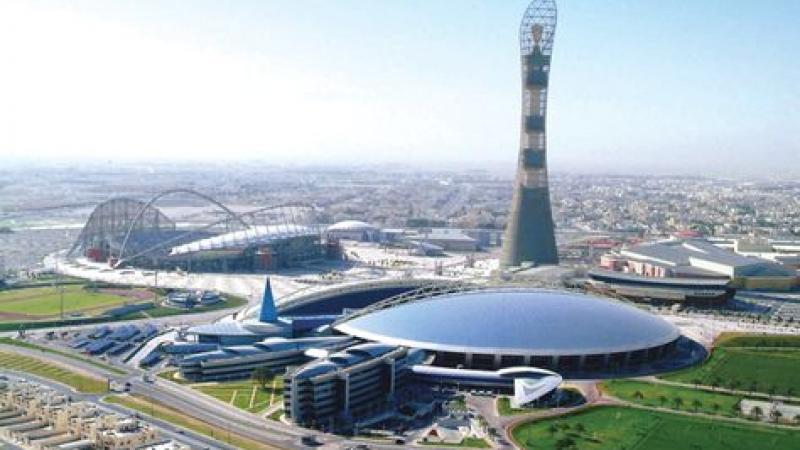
pixel 564 443
pixel 580 428
pixel 715 407
pixel 552 429
pixel 638 395
pixel 696 404
pixel 662 399
pixel 262 376
pixel 677 402
pixel 771 390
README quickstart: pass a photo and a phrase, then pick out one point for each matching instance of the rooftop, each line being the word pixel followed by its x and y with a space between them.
pixel 514 321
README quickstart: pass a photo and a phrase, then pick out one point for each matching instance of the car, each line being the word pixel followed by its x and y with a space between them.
pixel 310 440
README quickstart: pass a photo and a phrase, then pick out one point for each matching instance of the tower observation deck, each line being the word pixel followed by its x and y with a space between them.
pixel 530 235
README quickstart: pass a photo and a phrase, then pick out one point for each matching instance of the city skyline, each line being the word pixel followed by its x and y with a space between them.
pixel 255 81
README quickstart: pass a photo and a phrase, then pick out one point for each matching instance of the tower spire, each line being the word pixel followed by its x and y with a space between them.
pixel 530 235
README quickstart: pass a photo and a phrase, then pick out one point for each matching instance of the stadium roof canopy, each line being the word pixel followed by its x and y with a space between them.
pixel 514 322
pixel 351 225
pixel 255 235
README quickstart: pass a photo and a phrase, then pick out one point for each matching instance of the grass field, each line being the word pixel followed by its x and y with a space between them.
pixel 468 442
pixel 504 408
pixel 618 428
pixel 39 303
pixel 162 311
pixel 677 398
pixel 51 371
pixel 245 394
pixel 39 306
pixel 28 345
pixel 165 413
pixel 751 340
pixel 766 364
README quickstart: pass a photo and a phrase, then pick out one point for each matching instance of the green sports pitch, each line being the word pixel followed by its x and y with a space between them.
pixel 42 303
pixel 766 364
pixel 617 428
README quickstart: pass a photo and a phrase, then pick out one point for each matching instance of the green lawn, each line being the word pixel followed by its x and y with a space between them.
pixel 569 397
pixel 678 398
pixel 163 311
pixel 756 340
pixel 738 363
pixel 45 302
pixel 22 363
pixel 468 442
pixel 504 408
pixel 619 428
pixel 165 413
pixel 245 394
pixel 18 343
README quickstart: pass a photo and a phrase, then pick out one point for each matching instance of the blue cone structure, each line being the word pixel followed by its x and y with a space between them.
pixel 268 311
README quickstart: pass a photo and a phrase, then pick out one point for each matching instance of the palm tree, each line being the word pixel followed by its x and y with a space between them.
pixel 678 402
pixel 696 404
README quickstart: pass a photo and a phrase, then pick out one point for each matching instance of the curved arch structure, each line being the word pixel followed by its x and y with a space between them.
pixel 125 231
pixel 530 235
pixel 162 194
pixel 117 217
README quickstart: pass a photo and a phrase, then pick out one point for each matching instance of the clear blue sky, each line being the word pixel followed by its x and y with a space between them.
pixel 637 85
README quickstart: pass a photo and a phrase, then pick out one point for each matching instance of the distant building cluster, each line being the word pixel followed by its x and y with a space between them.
pixel 39 418
pixel 698 258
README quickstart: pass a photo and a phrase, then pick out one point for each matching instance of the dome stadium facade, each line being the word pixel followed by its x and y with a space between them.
pixel 496 328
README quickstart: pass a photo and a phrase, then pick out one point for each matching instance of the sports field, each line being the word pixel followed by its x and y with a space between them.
pixel 674 397
pixel 766 364
pixel 40 303
pixel 22 363
pixel 616 428
pixel 245 394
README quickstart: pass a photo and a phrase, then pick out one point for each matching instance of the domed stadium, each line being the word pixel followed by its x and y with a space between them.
pixel 496 328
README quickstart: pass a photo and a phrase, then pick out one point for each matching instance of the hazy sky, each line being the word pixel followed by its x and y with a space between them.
pixel 641 85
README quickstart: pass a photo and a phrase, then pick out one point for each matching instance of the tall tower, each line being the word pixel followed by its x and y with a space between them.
pixel 529 234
